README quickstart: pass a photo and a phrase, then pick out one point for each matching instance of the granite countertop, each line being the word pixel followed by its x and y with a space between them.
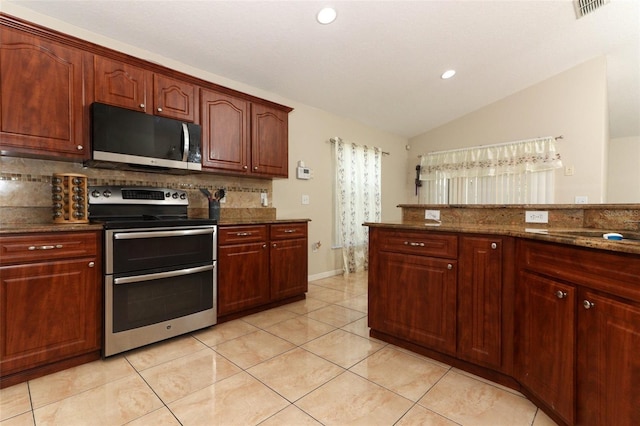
pixel 20 228
pixel 555 235
pixel 259 221
pixel 48 227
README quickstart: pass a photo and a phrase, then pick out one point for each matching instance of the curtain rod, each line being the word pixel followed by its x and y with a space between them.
pixel 333 141
pixel 489 146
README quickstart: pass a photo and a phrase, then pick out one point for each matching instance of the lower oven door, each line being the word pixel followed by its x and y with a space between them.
pixel 143 309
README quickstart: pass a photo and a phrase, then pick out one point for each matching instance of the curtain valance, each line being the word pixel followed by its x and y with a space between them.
pixel 531 155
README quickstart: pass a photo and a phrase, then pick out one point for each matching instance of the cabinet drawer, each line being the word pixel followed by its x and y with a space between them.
pixel 615 273
pixel 47 246
pixel 419 243
pixel 287 231
pixel 241 234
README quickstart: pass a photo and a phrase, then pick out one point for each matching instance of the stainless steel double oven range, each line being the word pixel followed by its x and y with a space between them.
pixel 160 266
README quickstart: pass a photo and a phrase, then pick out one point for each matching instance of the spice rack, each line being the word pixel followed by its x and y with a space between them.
pixel 69 196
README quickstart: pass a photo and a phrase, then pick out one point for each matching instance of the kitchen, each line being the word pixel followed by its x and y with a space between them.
pixel 305 122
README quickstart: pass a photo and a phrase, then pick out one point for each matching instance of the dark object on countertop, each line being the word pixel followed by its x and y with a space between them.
pixel 206 193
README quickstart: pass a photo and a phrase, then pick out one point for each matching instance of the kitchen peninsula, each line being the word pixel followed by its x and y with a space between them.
pixel 547 309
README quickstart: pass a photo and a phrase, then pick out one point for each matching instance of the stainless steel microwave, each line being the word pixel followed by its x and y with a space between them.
pixel 132 138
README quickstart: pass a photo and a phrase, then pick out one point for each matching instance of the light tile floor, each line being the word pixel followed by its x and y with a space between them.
pixel 307 363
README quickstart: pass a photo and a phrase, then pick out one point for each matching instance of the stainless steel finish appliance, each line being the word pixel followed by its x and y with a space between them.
pixel 160 277
pixel 123 138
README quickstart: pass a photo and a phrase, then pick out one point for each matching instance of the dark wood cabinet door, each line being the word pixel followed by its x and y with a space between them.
pixel 174 98
pixel 545 343
pixel 41 97
pixel 225 133
pixel 288 268
pixel 122 85
pixel 243 277
pixel 479 300
pixel 269 141
pixel 50 311
pixel 416 299
pixel 608 361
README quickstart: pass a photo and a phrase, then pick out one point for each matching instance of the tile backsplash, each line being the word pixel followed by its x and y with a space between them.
pixel 25 189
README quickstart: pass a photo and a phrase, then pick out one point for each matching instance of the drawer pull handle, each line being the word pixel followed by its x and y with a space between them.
pixel 243 234
pixel 407 243
pixel 289 231
pixel 57 246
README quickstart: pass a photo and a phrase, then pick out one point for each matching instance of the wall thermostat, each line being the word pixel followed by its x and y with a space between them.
pixel 304 173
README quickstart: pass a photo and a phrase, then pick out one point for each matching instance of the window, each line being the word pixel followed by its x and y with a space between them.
pixel 513 173
pixel 357 200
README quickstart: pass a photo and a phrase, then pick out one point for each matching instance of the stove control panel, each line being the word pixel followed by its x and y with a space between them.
pixel 137 195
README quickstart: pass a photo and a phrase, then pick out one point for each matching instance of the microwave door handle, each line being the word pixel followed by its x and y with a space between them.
pixel 185 137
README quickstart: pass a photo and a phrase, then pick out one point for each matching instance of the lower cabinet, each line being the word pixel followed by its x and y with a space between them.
pixel 50 294
pixel 260 265
pixel 608 360
pixel 443 292
pixel 484 300
pixel 578 332
pixel 288 260
pixel 545 350
pixel 418 295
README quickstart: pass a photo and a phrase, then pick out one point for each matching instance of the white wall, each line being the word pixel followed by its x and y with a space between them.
pixel 309 132
pixel 572 104
pixel 623 185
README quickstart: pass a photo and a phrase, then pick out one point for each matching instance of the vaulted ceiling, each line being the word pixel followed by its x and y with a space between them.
pixel 380 62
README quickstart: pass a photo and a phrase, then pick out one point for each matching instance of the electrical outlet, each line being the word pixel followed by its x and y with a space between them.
pixel 536 216
pixel 569 171
pixel 582 199
pixel 432 214
pixel 263 199
pixel 305 199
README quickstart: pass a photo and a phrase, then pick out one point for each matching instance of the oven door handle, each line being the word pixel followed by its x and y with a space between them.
pixel 158 234
pixel 160 275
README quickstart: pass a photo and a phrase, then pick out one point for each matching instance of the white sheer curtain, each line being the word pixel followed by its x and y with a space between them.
pixel 357 192
pixel 519 172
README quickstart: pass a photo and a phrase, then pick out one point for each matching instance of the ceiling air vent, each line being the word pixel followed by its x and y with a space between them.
pixel 584 7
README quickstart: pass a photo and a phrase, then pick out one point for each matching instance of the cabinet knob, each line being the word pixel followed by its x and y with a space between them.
pixel 264 246
pixel 449 266
pixel 588 305
pixel 494 246
pixel 245 167
pixel 92 264
pixel 275 245
pixel 159 109
pixel 255 167
pixel 79 147
pixel 141 106
pixel 561 294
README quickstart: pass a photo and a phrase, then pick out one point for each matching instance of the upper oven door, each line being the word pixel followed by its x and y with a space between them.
pixel 132 250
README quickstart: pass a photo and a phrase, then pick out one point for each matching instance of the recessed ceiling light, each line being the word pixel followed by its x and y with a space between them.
pixel 327 15
pixel 448 74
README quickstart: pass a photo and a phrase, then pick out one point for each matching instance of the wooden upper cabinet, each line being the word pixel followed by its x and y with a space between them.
pixel 269 141
pixel 122 85
pixel 128 86
pixel 174 98
pixel 225 132
pixel 41 97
